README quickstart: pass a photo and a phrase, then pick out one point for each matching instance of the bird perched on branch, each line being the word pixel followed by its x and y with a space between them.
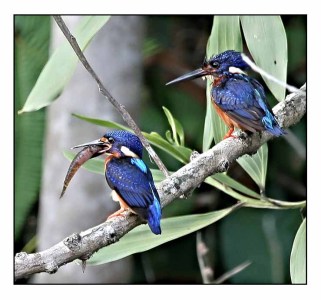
pixel 238 99
pixel 126 173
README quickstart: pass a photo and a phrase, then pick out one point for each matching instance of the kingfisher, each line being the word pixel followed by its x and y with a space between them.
pixel 128 176
pixel 238 99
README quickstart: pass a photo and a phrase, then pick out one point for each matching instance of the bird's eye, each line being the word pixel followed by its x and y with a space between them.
pixel 215 64
pixel 111 140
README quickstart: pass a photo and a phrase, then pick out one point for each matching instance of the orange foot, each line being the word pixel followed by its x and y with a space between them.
pixel 117 213
pixel 229 134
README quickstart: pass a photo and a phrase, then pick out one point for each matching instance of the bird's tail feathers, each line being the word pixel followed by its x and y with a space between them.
pixel 154 216
pixel 271 125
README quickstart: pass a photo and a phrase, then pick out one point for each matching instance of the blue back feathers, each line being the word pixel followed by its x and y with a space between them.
pixel 133 181
pixel 243 99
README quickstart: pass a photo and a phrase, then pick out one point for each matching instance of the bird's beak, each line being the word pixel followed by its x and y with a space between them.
pixel 191 75
pixel 101 146
pixel 92 143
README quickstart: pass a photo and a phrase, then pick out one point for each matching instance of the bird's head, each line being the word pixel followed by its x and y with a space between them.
pixel 119 143
pixel 224 63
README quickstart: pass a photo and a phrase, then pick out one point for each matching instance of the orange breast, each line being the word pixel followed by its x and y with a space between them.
pixel 228 121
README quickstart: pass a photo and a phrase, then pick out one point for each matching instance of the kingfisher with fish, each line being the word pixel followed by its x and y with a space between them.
pixel 126 173
pixel 238 99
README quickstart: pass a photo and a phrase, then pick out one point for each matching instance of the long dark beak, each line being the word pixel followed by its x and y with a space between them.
pixel 92 143
pixel 191 75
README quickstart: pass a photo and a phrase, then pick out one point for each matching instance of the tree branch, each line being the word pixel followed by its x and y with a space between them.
pixel 120 108
pixel 218 159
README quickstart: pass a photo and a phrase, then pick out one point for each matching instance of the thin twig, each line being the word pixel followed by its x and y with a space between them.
pixel 203 261
pixel 232 272
pixel 120 108
pixel 218 159
pixel 257 69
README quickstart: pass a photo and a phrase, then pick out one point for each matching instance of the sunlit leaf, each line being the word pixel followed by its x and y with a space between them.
pixel 61 65
pixel 141 239
pixel 298 258
pixel 256 165
pixel 266 40
pixel 225 35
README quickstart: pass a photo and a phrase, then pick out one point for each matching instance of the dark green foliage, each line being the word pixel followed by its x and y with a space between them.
pixel 31 53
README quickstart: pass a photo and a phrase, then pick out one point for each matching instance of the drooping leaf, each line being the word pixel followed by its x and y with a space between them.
pixel 141 239
pixel 31 53
pixel 298 256
pixel 266 39
pixel 61 65
pixel 225 35
pixel 256 165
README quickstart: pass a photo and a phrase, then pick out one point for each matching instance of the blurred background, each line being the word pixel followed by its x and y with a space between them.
pixel 135 56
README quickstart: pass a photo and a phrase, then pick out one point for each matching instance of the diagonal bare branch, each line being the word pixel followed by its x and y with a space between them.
pixel 120 108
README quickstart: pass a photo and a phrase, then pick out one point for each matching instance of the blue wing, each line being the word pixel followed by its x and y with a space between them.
pixel 133 181
pixel 244 101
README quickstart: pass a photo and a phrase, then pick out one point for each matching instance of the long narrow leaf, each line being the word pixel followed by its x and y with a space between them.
pixel 61 65
pixel 254 202
pixel 141 239
pixel 266 39
pixel 230 182
pixel 31 53
pixel 177 128
pixel 298 256
pixel 256 165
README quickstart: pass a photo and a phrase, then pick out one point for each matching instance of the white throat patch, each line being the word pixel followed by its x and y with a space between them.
pixel 127 152
pixel 235 70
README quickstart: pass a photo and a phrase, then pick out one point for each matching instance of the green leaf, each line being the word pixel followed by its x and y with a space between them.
pixel 158 175
pixel 141 239
pixel 180 153
pixel 177 129
pixel 212 123
pixel 168 135
pixel 230 182
pixel 298 256
pixel 266 39
pixel 31 53
pixel 254 202
pixel 103 123
pixel 225 35
pixel 256 165
pixel 61 65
